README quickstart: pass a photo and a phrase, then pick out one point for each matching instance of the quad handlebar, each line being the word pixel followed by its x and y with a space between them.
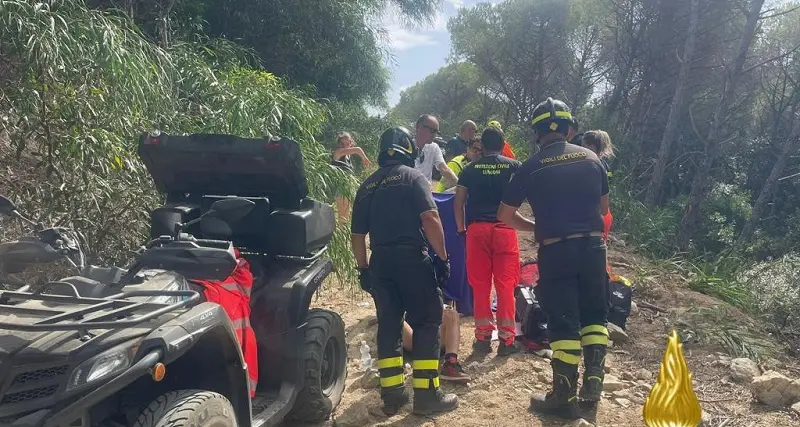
pixel 45 244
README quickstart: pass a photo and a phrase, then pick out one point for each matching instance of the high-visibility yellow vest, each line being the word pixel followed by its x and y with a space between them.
pixel 457 164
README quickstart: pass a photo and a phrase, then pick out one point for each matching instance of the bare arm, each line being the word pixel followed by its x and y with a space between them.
pixel 448 175
pixel 458 204
pixel 432 227
pixel 511 216
pixel 352 151
pixel 358 243
pixel 604 203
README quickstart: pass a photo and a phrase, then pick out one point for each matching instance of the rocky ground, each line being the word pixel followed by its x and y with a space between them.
pixel 501 388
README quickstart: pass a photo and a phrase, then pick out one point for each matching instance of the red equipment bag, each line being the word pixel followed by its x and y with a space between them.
pixel 233 295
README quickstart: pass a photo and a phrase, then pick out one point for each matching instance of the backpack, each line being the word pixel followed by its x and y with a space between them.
pixel 619 300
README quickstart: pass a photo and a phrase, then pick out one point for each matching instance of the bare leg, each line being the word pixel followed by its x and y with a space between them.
pixel 408 334
pixel 451 331
pixel 343 208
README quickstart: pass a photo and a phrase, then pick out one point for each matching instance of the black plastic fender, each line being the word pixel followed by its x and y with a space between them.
pixel 206 321
pixel 303 289
pixel 279 308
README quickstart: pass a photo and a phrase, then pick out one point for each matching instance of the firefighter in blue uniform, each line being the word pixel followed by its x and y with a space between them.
pixel 394 206
pixel 567 188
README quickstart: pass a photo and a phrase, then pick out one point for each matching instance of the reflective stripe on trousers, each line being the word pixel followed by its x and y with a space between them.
pixel 594 335
pixel 391 372
pixel 567 351
pixel 426 374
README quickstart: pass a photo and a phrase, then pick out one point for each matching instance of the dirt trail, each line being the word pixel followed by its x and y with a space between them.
pixel 501 388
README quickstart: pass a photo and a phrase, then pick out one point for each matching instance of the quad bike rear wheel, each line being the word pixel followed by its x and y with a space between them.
pixel 185 408
pixel 325 365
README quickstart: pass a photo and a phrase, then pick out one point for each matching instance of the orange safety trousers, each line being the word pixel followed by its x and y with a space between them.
pixel 493 259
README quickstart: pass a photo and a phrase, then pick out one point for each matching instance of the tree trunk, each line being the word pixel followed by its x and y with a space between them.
pixel 675 111
pixel 789 146
pixel 164 22
pixel 700 183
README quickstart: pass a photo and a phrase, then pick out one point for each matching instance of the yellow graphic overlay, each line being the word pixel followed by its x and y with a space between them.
pixel 672 401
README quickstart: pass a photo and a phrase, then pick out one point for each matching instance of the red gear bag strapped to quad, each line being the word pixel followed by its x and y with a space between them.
pixel 233 295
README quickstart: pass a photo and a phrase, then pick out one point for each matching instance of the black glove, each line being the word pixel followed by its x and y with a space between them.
pixel 442 269
pixel 365 280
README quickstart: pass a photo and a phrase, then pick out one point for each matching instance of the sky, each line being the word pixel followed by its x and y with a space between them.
pixel 418 52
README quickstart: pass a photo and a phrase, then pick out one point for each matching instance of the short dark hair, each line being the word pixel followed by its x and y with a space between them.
pixel 493 139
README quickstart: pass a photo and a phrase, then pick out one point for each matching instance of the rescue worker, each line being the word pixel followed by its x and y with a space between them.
pixel 567 188
pixel 458 145
pixel 430 155
pixel 458 163
pixel 394 206
pixel 507 151
pixel 492 246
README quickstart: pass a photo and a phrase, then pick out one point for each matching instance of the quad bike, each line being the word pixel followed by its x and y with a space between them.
pixel 142 348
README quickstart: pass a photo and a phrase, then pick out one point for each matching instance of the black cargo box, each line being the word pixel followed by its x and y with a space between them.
pixel 226 164
pixel 197 170
pixel 295 231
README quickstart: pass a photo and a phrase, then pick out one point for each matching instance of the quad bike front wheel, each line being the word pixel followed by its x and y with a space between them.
pixel 188 408
pixel 324 356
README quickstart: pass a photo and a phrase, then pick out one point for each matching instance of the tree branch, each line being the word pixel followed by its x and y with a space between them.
pixel 775 15
pixel 774 58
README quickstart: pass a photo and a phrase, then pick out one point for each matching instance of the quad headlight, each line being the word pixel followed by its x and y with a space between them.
pixel 102 366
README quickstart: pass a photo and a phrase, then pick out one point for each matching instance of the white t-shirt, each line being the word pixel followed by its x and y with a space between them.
pixel 430 157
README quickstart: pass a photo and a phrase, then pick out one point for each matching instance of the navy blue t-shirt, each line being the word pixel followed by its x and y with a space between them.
pixel 389 205
pixel 563 184
pixel 486 180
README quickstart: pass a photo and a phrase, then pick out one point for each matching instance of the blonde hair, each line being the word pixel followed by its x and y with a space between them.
pixel 344 135
pixel 600 139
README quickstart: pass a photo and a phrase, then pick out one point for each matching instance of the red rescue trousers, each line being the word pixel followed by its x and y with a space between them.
pixel 493 257
pixel 608 219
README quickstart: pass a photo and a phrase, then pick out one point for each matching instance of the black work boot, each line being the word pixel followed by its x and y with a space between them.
pixel 561 401
pixel 594 363
pixel 393 400
pixel 508 349
pixel 482 346
pixel 433 401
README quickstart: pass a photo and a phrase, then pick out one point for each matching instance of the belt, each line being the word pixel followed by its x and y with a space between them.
pixel 547 242
pixel 399 246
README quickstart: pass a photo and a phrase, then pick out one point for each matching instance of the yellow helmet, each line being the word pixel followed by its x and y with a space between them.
pixel 495 124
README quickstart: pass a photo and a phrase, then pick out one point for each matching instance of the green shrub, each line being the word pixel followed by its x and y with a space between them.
pixel 83 84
